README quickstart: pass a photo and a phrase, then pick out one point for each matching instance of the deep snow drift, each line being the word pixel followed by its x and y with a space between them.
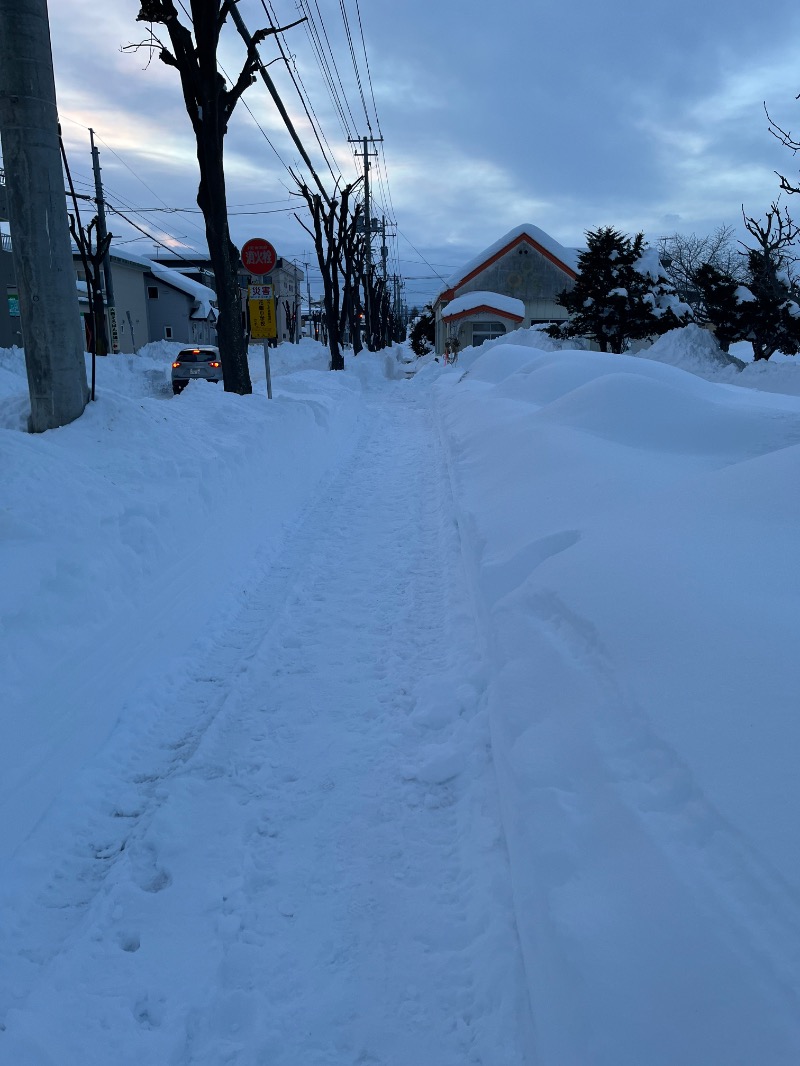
pixel 416 722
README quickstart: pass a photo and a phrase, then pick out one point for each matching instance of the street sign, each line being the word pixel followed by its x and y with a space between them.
pixel 261 305
pixel 258 256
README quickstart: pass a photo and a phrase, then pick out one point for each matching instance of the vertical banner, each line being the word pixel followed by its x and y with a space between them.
pixel 261 305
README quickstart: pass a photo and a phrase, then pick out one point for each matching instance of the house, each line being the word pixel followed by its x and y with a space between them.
pixel 513 283
pixel 152 301
pixel 155 302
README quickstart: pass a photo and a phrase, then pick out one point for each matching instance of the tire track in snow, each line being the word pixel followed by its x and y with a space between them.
pixel 313 869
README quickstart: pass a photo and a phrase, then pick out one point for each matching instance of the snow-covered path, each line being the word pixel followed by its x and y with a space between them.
pixel 297 856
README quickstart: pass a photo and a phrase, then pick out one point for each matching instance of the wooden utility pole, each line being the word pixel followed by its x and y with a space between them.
pixel 37 213
pixel 102 233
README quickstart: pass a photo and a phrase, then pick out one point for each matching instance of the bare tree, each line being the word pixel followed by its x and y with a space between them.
pixel 330 221
pixel 788 140
pixel 351 265
pixel 683 255
pixel 774 236
pixel 210 102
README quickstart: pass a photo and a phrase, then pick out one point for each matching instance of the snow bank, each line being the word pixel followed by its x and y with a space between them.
pixel 634 566
pixel 694 349
pixel 138 520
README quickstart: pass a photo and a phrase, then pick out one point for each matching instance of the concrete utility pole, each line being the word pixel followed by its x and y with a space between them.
pixel 37 211
pixel 308 292
pixel 367 225
pixel 102 232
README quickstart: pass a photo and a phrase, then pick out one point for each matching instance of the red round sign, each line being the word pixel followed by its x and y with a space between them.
pixel 258 256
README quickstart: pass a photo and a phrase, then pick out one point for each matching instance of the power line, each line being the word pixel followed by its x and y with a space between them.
pixel 245 34
pixel 343 10
pixel 369 74
pixel 303 95
pixel 318 49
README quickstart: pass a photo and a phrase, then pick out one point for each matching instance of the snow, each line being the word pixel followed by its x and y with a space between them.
pixel 438 721
pixel 743 295
pixel 507 305
pixel 649 264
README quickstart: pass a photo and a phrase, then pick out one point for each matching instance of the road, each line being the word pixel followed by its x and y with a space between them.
pixel 297 856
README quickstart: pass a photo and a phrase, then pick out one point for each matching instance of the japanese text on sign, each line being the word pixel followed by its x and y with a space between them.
pixel 261 306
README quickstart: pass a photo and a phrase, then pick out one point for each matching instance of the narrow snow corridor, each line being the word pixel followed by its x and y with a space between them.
pixel 299 859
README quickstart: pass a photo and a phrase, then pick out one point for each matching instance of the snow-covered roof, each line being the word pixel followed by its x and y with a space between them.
pixel 475 301
pixel 200 293
pixel 565 257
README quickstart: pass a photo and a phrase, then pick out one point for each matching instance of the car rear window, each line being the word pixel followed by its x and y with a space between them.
pixel 196 357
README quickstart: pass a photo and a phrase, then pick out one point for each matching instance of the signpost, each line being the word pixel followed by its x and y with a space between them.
pixel 259 258
pixel 263 326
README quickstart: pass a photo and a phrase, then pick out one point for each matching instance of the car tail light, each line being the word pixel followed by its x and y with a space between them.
pixel 175 366
pixel 211 363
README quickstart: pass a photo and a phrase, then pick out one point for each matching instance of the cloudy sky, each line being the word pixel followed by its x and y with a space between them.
pixel 569 116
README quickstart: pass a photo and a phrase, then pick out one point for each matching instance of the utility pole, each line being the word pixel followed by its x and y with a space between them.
pixel 365 141
pixel 308 296
pixel 37 211
pixel 102 232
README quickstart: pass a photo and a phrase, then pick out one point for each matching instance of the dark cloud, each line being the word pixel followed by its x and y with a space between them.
pixel 567 116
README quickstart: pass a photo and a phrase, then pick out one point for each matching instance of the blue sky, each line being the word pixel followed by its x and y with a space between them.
pixel 569 117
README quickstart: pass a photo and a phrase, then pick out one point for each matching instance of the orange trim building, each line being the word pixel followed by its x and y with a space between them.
pixel 519 279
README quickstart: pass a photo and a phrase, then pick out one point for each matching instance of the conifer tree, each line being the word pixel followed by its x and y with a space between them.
pixel 725 304
pixel 764 308
pixel 621 294
pixel 423 332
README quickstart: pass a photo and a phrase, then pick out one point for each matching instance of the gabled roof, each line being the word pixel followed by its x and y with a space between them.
pixel 472 303
pixel 565 259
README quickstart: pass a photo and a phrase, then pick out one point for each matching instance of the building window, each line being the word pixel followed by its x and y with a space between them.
pixel 152 292
pixel 168 333
pixel 486 331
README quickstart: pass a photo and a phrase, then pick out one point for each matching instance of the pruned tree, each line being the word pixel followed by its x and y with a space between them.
pixel 329 225
pixel 761 304
pixel 621 293
pixel 788 140
pixel 210 103
pixel 351 265
pixel 774 314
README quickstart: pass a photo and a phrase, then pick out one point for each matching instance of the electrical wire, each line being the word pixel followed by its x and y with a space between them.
pixel 302 94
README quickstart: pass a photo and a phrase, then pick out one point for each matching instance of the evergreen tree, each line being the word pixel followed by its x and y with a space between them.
pixel 773 315
pixel 724 302
pixel 621 294
pixel 423 332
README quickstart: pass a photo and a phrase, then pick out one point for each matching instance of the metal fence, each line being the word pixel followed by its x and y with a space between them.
pixel 5 242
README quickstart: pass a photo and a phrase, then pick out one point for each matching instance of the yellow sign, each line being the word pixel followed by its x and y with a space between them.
pixel 261 305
